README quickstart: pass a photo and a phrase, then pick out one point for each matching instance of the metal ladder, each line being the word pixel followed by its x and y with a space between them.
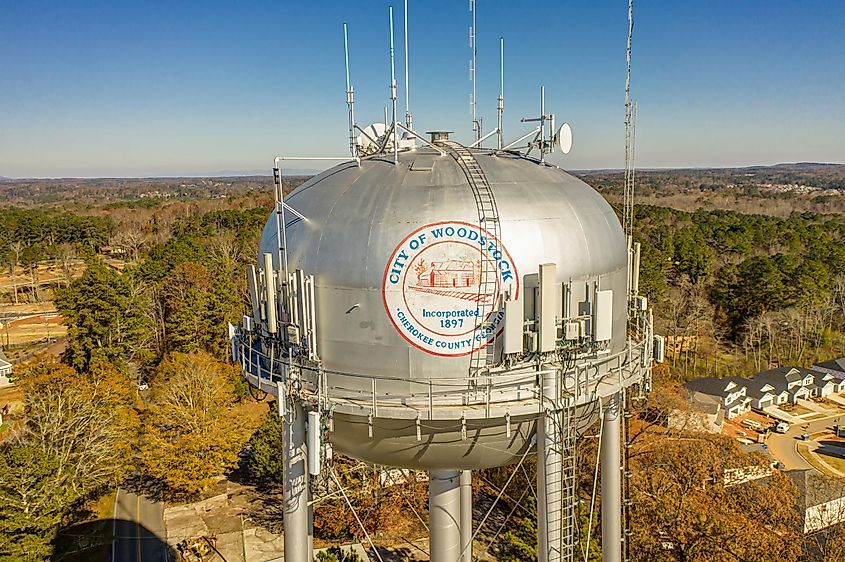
pixel 488 219
pixel 570 532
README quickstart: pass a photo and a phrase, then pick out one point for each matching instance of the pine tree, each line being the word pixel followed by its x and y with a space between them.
pixel 265 462
pixel 103 316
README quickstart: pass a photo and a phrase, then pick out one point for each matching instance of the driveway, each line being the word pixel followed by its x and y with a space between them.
pixel 779 414
pixel 810 405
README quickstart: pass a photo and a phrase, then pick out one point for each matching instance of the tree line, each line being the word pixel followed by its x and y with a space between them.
pixel 85 429
pixel 770 289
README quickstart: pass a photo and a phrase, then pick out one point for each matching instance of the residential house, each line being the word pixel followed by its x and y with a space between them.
pixel 5 369
pixel 764 394
pixel 795 381
pixel 741 475
pixel 730 391
pixel 821 499
pixel 824 384
pixel 835 367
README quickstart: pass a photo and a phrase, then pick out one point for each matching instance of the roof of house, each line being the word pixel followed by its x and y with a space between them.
pixel 804 372
pixel 757 448
pixel 703 402
pixel 781 374
pixel 710 385
pixel 833 364
pixel 453 265
pixel 3 359
pixel 815 489
pixel 759 388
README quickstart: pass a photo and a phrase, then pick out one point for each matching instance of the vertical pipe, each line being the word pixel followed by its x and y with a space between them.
pixel 501 108
pixel 282 237
pixel 252 281
pixel 473 43
pixel 270 289
pixel 407 86
pixel 611 483
pixel 392 68
pixel 635 270
pixel 466 515
pixel 350 96
pixel 298 547
pixel 542 123
pixel 444 505
pixel 549 469
pixel 346 53
pixel 393 87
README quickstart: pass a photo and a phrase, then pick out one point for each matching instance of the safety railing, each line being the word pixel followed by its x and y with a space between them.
pixel 514 390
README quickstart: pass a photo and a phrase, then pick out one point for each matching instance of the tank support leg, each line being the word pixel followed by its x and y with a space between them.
pixel 466 515
pixel 444 515
pixel 549 489
pixel 297 517
pixel 611 483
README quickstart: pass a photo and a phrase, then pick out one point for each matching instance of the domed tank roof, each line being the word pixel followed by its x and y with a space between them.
pixel 361 223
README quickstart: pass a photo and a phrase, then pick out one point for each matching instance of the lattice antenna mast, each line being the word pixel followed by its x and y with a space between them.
pixel 628 192
pixel 473 46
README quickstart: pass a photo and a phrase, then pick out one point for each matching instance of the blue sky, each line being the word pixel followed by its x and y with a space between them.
pixel 118 88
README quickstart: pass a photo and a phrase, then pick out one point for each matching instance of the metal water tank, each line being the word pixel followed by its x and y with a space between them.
pixel 395 252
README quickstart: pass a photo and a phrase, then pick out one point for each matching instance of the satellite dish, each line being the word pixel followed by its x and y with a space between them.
pixel 369 140
pixel 563 138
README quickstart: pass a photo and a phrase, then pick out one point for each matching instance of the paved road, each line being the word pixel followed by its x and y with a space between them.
pixel 139 529
pixel 782 446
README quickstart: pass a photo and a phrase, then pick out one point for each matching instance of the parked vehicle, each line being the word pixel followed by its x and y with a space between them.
pixel 781 427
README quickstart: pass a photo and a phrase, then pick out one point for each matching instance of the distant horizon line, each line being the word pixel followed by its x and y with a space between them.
pixel 312 172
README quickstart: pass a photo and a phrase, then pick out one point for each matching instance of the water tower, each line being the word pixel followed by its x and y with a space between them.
pixel 447 308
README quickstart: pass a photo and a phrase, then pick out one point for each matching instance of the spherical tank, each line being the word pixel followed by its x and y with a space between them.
pixel 396 253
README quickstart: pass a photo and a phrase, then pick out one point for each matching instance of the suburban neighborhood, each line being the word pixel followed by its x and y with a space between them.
pixel 794 415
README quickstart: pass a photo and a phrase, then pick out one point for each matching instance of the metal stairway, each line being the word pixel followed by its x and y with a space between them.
pixel 488 220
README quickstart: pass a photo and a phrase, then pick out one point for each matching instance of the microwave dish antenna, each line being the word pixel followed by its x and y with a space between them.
pixel 371 138
pixel 563 138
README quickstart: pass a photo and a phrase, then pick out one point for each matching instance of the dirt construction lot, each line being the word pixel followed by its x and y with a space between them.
pixel 735 428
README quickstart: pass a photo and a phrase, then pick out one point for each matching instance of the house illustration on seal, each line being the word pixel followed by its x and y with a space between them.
pixel 450 273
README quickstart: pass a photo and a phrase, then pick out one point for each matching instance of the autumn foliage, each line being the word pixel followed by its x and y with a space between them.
pixel 75 442
pixel 685 510
pixel 196 427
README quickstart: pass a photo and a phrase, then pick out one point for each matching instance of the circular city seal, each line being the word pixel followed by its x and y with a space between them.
pixel 443 285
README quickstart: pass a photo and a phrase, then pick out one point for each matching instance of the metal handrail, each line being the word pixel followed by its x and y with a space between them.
pixel 581 381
